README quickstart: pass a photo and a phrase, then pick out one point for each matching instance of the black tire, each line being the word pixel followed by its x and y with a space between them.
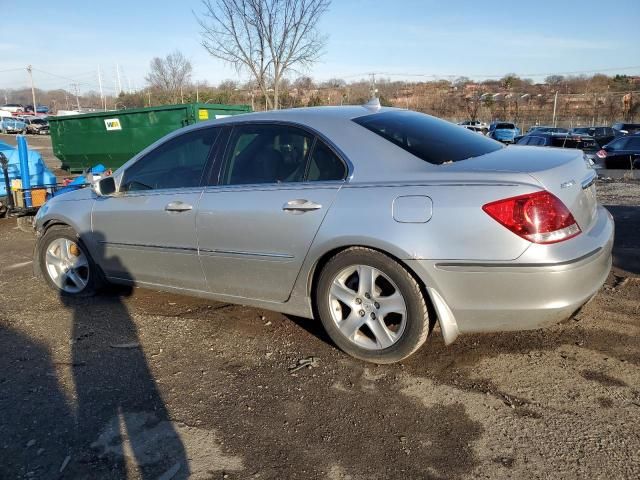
pixel 95 280
pixel 417 326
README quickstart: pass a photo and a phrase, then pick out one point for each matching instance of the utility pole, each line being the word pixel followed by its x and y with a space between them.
pixel 555 104
pixel 75 86
pixel 373 85
pixel 197 94
pixel 181 95
pixel 103 103
pixel 118 78
pixel 33 90
pixel 149 96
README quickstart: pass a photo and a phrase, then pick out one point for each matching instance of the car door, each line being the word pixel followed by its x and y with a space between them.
pixel 617 155
pixel 259 217
pixel 147 231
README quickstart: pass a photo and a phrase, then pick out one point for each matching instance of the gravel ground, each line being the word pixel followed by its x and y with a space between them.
pixel 140 384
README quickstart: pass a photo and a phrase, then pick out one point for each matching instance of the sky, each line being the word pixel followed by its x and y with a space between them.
pixel 397 39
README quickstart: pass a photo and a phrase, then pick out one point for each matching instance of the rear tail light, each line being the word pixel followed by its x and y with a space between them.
pixel 539 217
pixel 602 154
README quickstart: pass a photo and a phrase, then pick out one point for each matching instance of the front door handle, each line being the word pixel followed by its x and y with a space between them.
pixel 300 205
pixel 178 207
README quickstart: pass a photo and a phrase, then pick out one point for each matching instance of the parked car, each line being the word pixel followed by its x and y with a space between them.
pixel 368 217
pixel 503 131
pixel 626 128
pixel 13 107
pixel 623 152
pixel 37 126
pixel 563 140
pixel 39 109
pixel 545 129
pixel 12 125
pixel 475 129
pixel 475 126
pixel 602 135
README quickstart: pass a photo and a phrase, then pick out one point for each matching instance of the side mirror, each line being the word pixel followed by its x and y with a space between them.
pixel 105 186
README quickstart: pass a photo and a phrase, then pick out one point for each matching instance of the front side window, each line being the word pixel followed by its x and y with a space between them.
pixel 633 143
pixel 177 163
pixel 266 154
pixel 428 138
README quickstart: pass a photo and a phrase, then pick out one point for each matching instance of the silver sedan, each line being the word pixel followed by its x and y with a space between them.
pixel 379 222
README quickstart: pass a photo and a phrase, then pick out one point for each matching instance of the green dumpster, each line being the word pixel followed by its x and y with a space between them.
pixel 111 138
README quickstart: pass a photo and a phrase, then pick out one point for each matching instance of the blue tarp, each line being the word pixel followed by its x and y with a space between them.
pixel 38 172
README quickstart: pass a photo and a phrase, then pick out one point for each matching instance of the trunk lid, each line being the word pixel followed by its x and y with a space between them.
pixel 563 172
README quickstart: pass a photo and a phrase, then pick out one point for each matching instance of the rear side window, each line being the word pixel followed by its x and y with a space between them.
pixel 428 138
pixel 324 165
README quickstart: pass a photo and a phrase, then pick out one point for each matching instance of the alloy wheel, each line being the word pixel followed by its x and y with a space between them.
pixel 67 265
pixel 367 307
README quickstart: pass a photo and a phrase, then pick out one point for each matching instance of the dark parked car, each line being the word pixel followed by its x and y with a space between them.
pixel 626 128
pixel 562 140
pixel 602 135
pixel 583 142
pixel 623 152
pixel 544 129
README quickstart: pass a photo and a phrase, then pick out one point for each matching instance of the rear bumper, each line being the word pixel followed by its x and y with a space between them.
pixel 487 297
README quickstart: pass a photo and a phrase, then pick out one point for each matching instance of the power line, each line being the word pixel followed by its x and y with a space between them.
pixel 575 72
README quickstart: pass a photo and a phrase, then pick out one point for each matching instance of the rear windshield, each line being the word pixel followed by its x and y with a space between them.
pixel 428 138
pixel 568 142
pixel 505 126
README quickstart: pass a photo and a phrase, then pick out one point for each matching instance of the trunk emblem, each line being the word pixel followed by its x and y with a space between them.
pixel 568 184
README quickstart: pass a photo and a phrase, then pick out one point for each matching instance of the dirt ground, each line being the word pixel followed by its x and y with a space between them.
pixel 148 385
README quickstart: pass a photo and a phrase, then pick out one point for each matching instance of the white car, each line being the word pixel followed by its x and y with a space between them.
pixel 476 126
pixel 13 107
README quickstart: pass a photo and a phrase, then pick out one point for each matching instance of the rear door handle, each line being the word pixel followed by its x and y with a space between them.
pixel 300 205
pixel 178 207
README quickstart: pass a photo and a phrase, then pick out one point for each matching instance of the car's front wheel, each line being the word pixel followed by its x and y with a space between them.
pixel 371 306
pixel 65 263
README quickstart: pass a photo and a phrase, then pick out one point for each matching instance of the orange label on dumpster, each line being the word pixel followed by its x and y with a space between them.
pixel 203 114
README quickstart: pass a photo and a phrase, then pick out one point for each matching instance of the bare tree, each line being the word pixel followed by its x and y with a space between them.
pixel 265 38
pixel 170 74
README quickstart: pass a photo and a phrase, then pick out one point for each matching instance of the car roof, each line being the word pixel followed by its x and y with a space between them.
pixel 354 143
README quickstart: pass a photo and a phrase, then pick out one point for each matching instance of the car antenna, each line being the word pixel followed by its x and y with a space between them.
pixel 373 104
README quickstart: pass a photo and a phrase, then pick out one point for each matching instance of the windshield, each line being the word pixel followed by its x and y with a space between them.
pixel 428 138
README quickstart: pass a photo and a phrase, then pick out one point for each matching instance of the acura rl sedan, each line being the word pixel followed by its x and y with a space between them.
pixel 379 222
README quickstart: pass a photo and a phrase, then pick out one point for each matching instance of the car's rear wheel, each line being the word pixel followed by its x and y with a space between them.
pixel 65 263
pixel 371 306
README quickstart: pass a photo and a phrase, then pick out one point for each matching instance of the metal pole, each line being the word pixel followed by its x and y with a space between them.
pixel 23 154
pixel 102 100
pixel 33 90
pixel 555 104
pixel 118 77
pixel 75 85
